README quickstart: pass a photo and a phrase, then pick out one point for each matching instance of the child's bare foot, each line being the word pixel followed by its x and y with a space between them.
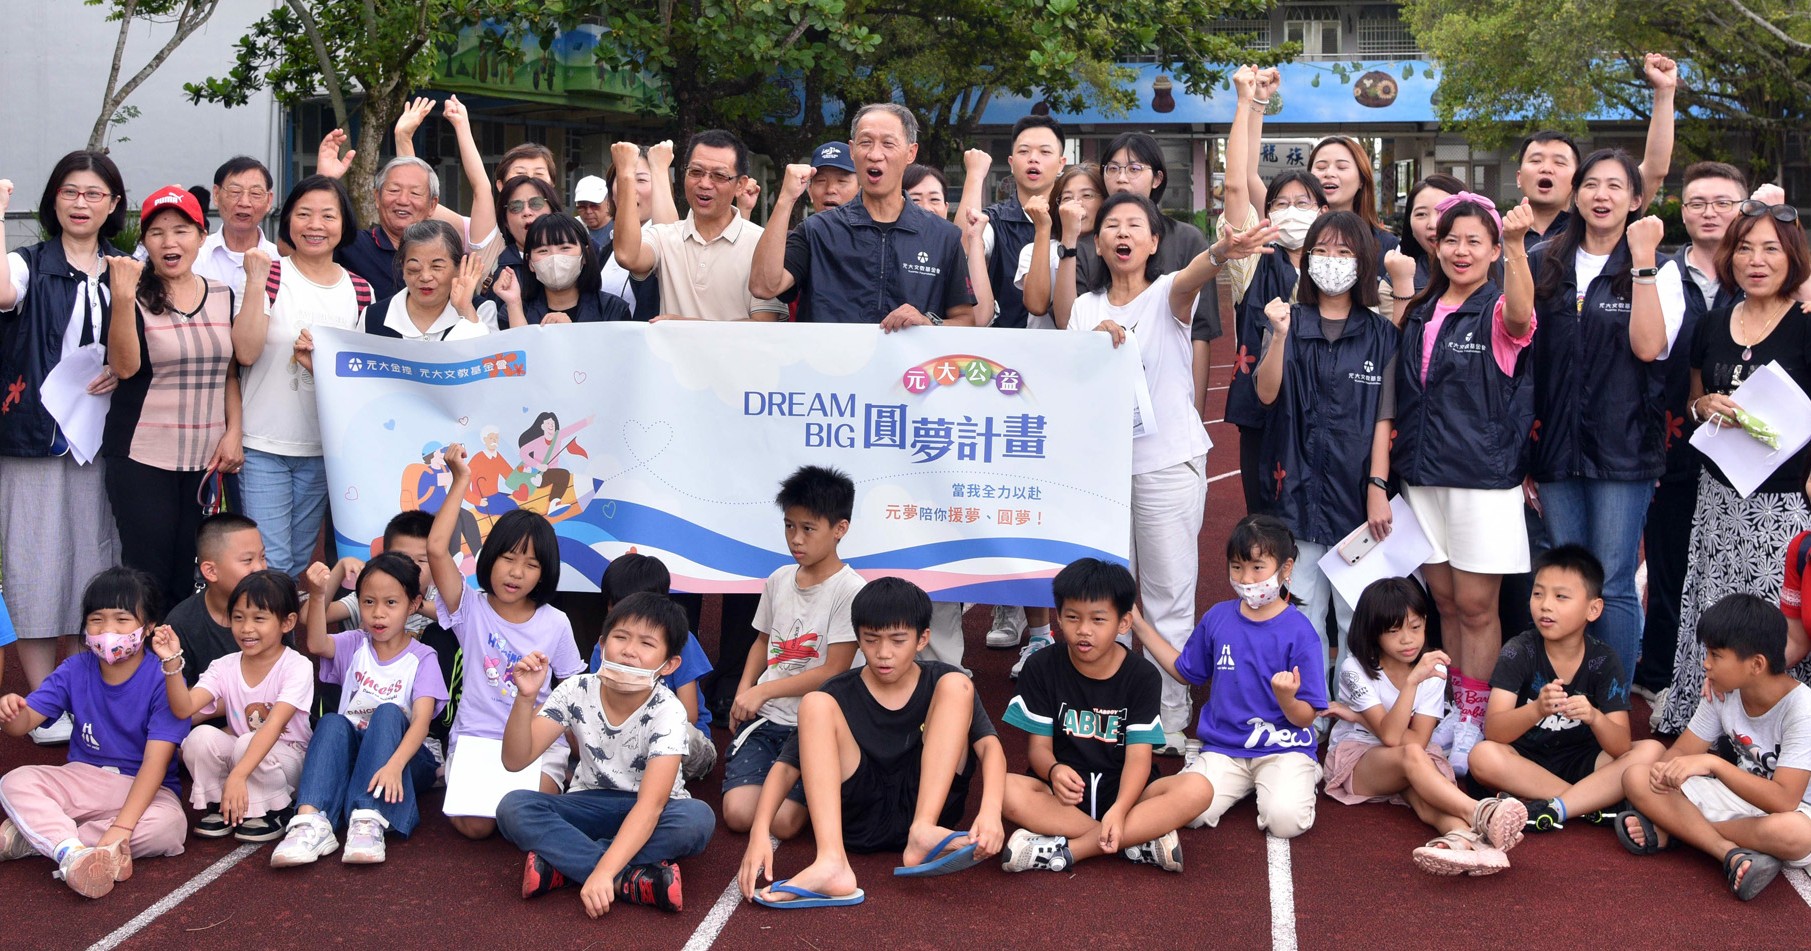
pixel 826 877
pixel 924 837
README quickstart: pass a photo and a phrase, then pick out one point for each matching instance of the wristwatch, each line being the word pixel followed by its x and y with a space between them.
pixel 1380 483
pixel 1063 251
pixel 1213 258
pixel 1644 272
pixel 935 319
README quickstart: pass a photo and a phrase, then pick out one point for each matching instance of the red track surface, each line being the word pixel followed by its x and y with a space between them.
pixel 1352 882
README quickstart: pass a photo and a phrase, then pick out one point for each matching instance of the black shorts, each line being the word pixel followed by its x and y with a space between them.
pixel 878 807
pixel 1570 766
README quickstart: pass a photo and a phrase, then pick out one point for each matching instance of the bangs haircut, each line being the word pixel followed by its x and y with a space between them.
pixel 411 524
pixel 1087 170
pixel 1558 256
pixel 532 152
pixel 1140 147
pixel 1091 579
pixel 267 590
pixel 559 228
pixel 887 603
pixel 526 532
pixel 396 565
pixel 124 589
pixel 1384 606
pixel 1440 182
pixel 308 186
pixel 431 231
pixel 635 573
pixel 719 139
pixel 656 609
pixel 541 188
pixel 1792 242
pixel 1746 626
pixel 1260 536
pixel 1437 281
pixel 83 160
pixel 1357 236
pixel 1576 559
pixel 917 172
pixel 1029 122
pixel 824 492
pixel 1545 136
pixel 1105 278
pixel 1281 180
pixel 212 534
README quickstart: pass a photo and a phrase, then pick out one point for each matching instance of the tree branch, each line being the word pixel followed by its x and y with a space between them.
pixel 194 14
pixel 99 136
pixel 1763 23
pixel 330 74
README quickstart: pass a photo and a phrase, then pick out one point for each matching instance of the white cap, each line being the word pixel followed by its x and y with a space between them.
pixel 591 189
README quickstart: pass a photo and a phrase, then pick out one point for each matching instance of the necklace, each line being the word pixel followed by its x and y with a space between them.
pixel 1767 328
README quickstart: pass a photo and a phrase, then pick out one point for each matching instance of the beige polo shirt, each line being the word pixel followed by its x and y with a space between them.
pixel 707 279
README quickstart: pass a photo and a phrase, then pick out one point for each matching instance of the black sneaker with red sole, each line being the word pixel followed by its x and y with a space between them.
pixel 656 885
pixel 539 878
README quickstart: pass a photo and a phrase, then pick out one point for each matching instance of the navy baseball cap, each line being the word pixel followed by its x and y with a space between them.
pixel 833 155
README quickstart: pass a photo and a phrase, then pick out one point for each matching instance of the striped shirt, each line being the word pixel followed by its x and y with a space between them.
pixel 171 414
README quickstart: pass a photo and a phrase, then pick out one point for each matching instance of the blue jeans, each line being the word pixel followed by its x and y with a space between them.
pixel 287 497
pixel 1608 518
pixel 573 830
pixel 342 759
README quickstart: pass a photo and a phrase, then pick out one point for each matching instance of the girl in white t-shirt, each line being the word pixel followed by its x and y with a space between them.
pixel 1391 693
pixel 1081 187
pixel 284 484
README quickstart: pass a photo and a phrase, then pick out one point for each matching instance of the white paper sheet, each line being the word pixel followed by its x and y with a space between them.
pixel 476 780
pixel 1397 556
pixel 1144 416
pixel 81 414
pixel 1772 397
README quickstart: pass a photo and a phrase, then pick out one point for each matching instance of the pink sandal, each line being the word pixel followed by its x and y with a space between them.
pixel 1499 822
pixel 1460 853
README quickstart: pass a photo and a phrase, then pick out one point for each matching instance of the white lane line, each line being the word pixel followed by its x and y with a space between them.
pixel 1282 895
pixel 1223 475
pixel 716 918
pixel 124 932
pixel 1801 883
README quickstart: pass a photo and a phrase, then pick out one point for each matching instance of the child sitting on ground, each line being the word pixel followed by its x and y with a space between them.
pixel 228 547
pixel 1556 732
pixel 804 639
pixel 634 572
pixel 1092 711
pixel 245 776
pixel 1268 675
pixel 1755 813
pixel 888 752
pixel 627 816
pixel 116 798
pixel 1392 691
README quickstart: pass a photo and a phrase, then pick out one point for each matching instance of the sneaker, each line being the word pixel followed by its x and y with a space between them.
pixel 364 838
pixel 13 844
pixel 1174 744
pixel 1499 822
pixel 55 732
pixel 1605 818
pixel 309 838
pixel 1009 627
pixel 1646 693
pixel 1036 643
pixel 89 872
pixel 1541 817
pixel 122 860
pixel 1165 852
pixel 1191 751
pixel 264 828
pixel 1443 731
pixel 1659 705
pixel 539 878
pixel 655 885
pixel 1465 736
pixel 213 824
pixel 1027 850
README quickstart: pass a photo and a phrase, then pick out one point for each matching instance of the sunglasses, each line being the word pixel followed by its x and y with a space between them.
pixel 1755 209
pixel 533 204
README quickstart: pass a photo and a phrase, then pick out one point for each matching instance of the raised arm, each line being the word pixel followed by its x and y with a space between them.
pixel 768 277
pixel 441 567
pixel 1242 151
pixel 253 321
pixel 660 166
pixel 483 212
pixel 1269 377
pixel 1518 280
pixel 1657 158
pixel 322 584
pixel 408 121
pixel 975 165
pixel 166 646
pixel 1647 317
pixel 1201 271
pixel 525 735
pixel 1037 275
pixel 635 255
pixel 974 241
pixel 1064 291
pixel 123 355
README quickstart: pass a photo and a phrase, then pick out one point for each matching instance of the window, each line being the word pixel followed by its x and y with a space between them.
pixel 1383 35
pixel 1257 30
pixel 1316 28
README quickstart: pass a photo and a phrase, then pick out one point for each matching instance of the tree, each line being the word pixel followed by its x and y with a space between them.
pixel 188 16
pixel 1745 67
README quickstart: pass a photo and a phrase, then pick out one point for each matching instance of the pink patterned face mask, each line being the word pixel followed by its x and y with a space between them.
pixel 112 647
pixel 1261 594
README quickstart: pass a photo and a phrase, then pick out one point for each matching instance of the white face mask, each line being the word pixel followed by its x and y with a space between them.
pixel 1293 222
pixel 557 272
pixel 625 677
pixel 1260 594
pixel 1332 275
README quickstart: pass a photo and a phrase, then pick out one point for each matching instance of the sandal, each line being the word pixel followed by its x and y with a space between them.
pixel 1762 870
pixel 1499 822
pixel 1650 844
pixel 1460 853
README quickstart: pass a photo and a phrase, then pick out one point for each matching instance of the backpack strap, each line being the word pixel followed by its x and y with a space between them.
pixel 361 288
pixel 272 282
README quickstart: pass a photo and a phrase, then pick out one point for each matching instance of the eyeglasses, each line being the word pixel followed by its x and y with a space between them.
pixel 532 204
pixel 1305 203
pixel 1698 206
pixel 234 193
pixel 92 196
pixel 696 174
pixel 1755 209
pixel 1134 169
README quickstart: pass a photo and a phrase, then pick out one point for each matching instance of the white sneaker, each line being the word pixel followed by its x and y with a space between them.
pixel 1443 731
pixel 1465 736
pixel 1659 705
pixel 1036 643
pixel 1165 852
pixel 364 838
pixel 1027 850
pixel 54 732
pixel 13 844
pixel 1009 627
pixel 309 838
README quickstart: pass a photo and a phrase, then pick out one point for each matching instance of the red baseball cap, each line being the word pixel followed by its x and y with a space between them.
pixel 177 197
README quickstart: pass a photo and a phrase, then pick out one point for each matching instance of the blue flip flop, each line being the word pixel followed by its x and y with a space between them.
pixel 957 861
pixel 808 898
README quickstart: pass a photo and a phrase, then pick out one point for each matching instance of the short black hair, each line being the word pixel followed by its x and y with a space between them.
pixel 1151 212
pixel 1361 239
pixel 124 589
pixel 632 573
pixel 824 492
pixel 1543 136
pixel 656 609
pixel 320 183
pixel 890 602
pixel 1143 147
pixel 917 172
pixel 1384 606
pixel 541 188
pixel 429 232
pixel 1576 559
pixel 1091 579
pixel 411 524
pixel 719 139
pixel 1038 122
pixel 83 160
pixel 1258 536
pixel 397 565
pixel 238 164
pixel 1747 626
pixel 518 530
pixel 557 227
pixel 214 529
pixel 268 590
pixel 1281 180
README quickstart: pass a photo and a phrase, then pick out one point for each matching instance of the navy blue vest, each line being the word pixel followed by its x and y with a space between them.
pixel 31 344
pixel 1317 446
pixel 1012 232
pixel 1597 406
pixel 1273 278
pixel 1683 461
pixel 1467 426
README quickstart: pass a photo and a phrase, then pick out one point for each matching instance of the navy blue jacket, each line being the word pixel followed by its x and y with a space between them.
pixel 859 272
pixel 372 256
pixel 1012 232
pixel 1273 279
pixel 31 344
pixel 1682 460
pixel 1467 427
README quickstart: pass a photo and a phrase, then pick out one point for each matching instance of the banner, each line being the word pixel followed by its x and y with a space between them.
pixel 983 460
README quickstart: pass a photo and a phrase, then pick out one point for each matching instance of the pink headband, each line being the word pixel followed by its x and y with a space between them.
pixel 1476 199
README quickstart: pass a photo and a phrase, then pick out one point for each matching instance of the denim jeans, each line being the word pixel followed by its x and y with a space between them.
pixel 287 497
pixel 1607 517
pixel 342 759
pixel 573 830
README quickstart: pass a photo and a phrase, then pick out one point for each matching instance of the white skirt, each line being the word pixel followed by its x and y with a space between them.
pixel 1477 530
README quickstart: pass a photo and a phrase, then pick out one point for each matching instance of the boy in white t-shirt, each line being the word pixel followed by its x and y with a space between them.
pixel 1755 813
pixel 804 637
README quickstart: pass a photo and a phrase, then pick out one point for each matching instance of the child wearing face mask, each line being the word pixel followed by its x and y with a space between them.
pixel 116 798
pixel 562 280
pixel 1268 671
pixel 1326 374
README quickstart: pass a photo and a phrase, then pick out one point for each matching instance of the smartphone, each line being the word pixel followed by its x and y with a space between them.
pixel 1357 545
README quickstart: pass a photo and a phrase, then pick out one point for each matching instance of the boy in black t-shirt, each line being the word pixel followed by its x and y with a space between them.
pixel 228 547
pixel 1556 732
pixel 1092 712
pixel 903 738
